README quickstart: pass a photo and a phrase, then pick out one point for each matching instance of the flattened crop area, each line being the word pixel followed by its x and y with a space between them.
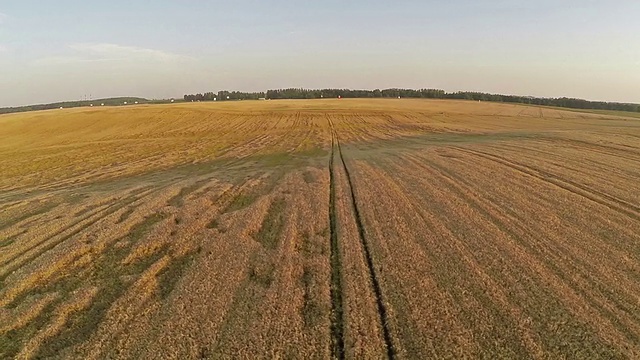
pixel 320 229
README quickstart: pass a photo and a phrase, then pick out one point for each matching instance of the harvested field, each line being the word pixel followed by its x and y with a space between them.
pixel 320 229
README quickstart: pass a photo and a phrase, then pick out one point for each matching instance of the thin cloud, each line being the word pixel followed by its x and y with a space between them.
pixel 3 17
pixel 121 51
pixel 63 60
pixel 105 52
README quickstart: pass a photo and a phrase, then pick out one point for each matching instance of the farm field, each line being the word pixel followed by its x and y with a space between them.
pixel 318 229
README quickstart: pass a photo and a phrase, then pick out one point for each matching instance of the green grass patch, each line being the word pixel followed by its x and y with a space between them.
pixel 46 207
pixel 312 152
pixel 213 224
pixel 272 225
pixel 308 177
pixel 276 159
pixel 139 230
pixel 287 159
pixel 169 276
pixel 87 209
pixel 12 341
pixel 106 273
pixel 240 202
pixel 311 248
pixel 125 215
pixel 178 200
pixel 76 198
pixel 313 311
pixel 245 199
pixel 262 272
pixel 7 242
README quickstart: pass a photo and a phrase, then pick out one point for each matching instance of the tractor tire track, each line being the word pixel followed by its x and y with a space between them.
pixel 337 312
pixel 377 289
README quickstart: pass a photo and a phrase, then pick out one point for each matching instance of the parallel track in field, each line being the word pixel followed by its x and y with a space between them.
pixel 338 326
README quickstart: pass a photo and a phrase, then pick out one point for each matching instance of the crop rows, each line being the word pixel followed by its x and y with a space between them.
pixel 326 229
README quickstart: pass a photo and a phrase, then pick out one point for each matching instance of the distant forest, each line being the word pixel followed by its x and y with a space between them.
pixel 226 95
pixel 410 93
pixel 73 104
pixel 335 93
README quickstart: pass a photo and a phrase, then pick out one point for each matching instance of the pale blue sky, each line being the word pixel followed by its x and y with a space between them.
pixel 62 50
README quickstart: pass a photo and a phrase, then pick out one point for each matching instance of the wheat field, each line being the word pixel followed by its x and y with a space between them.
pixel 353 229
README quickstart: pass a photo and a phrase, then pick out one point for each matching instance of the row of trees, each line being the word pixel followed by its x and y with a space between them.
pixel 224 96
pixel 295 93
pixel 558 102
pixel 347 93
pixel 79 103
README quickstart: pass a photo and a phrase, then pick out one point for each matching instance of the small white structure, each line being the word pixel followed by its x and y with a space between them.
pixel 102 104
pixel 125 103
pixel 61 108
pixel 172 100
pixel 91 105
pixel 136 102
pixel 215 99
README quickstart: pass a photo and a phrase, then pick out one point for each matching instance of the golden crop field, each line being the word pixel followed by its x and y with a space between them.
pixel 353 229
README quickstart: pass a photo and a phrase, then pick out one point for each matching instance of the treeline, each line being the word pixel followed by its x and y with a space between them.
pixel 224 96
pixel 295 93
pixel 558 102
pixel 346 93
pixel 73 104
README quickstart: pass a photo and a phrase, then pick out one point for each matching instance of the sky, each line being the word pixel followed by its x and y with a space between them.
pixel 70 49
